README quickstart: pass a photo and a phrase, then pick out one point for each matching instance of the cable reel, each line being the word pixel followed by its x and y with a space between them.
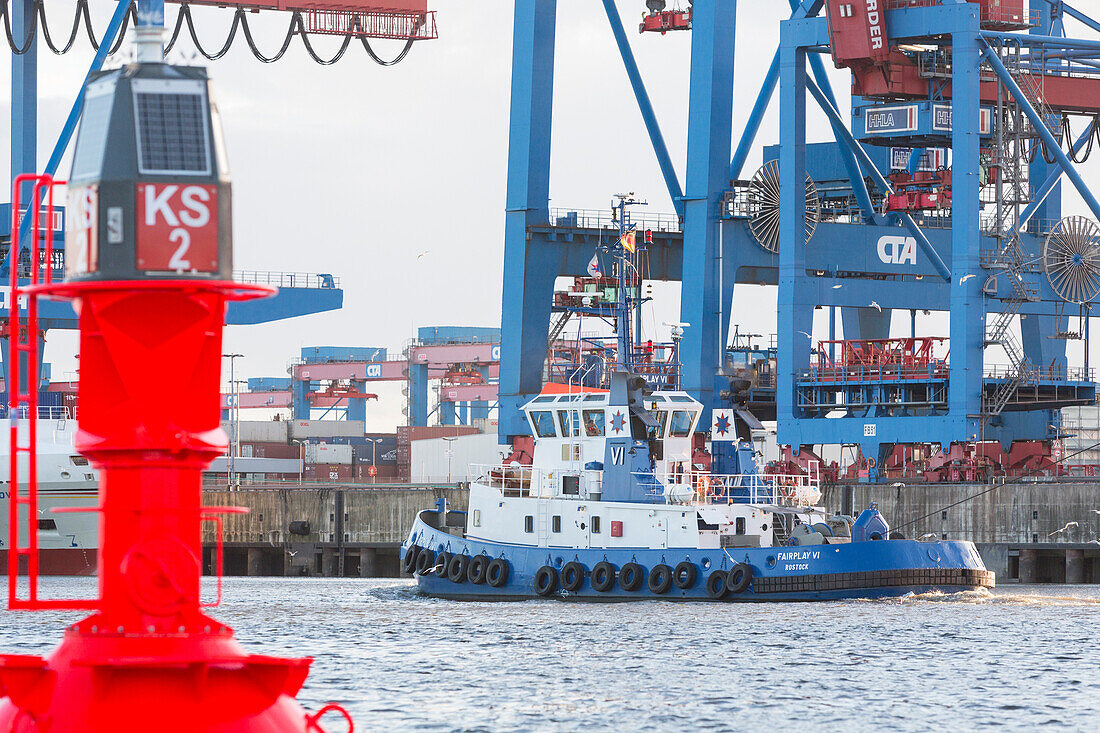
pixel 1071 259
pixel 763 205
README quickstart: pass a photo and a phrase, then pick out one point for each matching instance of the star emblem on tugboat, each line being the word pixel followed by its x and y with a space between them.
pixel 617 422
pixel 722 425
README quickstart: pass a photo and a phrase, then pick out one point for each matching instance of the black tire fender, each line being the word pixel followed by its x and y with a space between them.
pixel 572 576
pixel 631 576
pixel 660 579
pixel 738 578
pixel 497 573
pixel 477 569
pixel 716 585
pixel 546 580
pixel 684 575
pixel 425 561
pixel 441 562
pixel 409 563
pixel 456 568
pixel 603 576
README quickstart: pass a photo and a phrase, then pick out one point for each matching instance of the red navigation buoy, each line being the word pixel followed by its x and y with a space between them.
pixel 149 261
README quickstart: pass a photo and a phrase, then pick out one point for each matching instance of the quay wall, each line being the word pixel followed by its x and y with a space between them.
pixel 347 530
pixel 353 530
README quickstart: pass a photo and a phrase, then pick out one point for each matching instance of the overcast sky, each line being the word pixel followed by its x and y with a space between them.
pixel 355 169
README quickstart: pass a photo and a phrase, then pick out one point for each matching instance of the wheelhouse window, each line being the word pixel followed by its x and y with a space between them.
pixel 680 425
pixel 661 417
pixel 567 420
pixel 543 423
pixel 593 423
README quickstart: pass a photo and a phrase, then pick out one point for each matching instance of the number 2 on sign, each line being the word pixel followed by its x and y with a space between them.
pixel 178 263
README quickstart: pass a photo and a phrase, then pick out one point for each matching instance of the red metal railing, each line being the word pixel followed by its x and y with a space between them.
pixel 878 359
pixel 404 20
pixel 23 392
pixel 373 24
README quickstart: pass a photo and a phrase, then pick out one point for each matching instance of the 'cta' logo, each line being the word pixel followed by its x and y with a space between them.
pixel 897 250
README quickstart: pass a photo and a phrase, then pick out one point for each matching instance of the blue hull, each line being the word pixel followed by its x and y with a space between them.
pixel 885 568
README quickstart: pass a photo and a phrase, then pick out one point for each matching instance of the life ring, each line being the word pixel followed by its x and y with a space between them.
pixel 703 486
pixel 716 585
pixel 441 563
pixel 572 576
pixel 603 576
pixel 631 576
pixel 871 463
pixel 684 575
pixel 738 578
pixel 410 558
pixel 497 574
pixel 660 579
pixel 456 568
pixel 477 569
pixel 425 560
pixel 546 580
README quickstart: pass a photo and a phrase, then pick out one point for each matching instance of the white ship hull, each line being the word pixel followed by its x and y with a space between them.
pixel 67 541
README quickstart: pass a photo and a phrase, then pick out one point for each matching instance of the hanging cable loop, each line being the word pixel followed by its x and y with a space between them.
pixel 184 19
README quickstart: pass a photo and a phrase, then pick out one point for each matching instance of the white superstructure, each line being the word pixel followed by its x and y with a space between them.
pixel 558 501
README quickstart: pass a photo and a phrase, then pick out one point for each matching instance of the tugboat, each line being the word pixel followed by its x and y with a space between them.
pixel 615 505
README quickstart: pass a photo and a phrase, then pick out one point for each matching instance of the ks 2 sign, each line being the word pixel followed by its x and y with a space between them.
pixel 177 227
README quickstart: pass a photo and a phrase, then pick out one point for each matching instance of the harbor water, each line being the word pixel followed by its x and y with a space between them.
pixel 1019 657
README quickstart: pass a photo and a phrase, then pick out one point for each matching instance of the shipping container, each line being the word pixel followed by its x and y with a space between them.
pixel 408 434
pixel 259 431
pixel 383 452
pixel 270 450
pixel 485 425
pixel 246 464
pixel 457 335
pixel 328 453
pixel 327 354
pixel 437 460
pixel 328 472
pixel 269 384
pixel 320 429
pixel 385 474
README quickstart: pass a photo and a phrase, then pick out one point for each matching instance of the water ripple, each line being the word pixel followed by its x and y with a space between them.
pixel 1018 657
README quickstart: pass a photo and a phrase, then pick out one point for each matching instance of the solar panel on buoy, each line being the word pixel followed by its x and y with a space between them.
pixel 171 127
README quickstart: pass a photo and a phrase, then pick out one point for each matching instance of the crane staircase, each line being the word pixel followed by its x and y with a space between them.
pixel 1017 143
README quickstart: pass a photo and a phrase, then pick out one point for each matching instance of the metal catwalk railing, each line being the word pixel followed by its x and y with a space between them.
pixel 308 280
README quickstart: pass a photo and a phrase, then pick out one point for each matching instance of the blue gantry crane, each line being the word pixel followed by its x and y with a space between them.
pixel 940 191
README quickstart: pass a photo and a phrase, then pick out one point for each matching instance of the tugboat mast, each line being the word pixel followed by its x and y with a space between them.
pixel 624 252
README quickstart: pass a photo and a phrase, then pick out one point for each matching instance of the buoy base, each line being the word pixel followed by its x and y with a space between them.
pixel 95 683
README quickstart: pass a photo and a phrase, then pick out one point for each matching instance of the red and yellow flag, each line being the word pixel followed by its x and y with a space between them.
pixel 627 241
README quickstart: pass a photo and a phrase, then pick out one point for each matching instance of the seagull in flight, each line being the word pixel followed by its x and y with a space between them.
pixel 876 306
pixel 421 255
pixel 928 536
pixel 838 286
pixel 292 553
pixel 1063 529
pixel 897 484
pixel 964 278
pixel 805 334
pixel 1095 511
